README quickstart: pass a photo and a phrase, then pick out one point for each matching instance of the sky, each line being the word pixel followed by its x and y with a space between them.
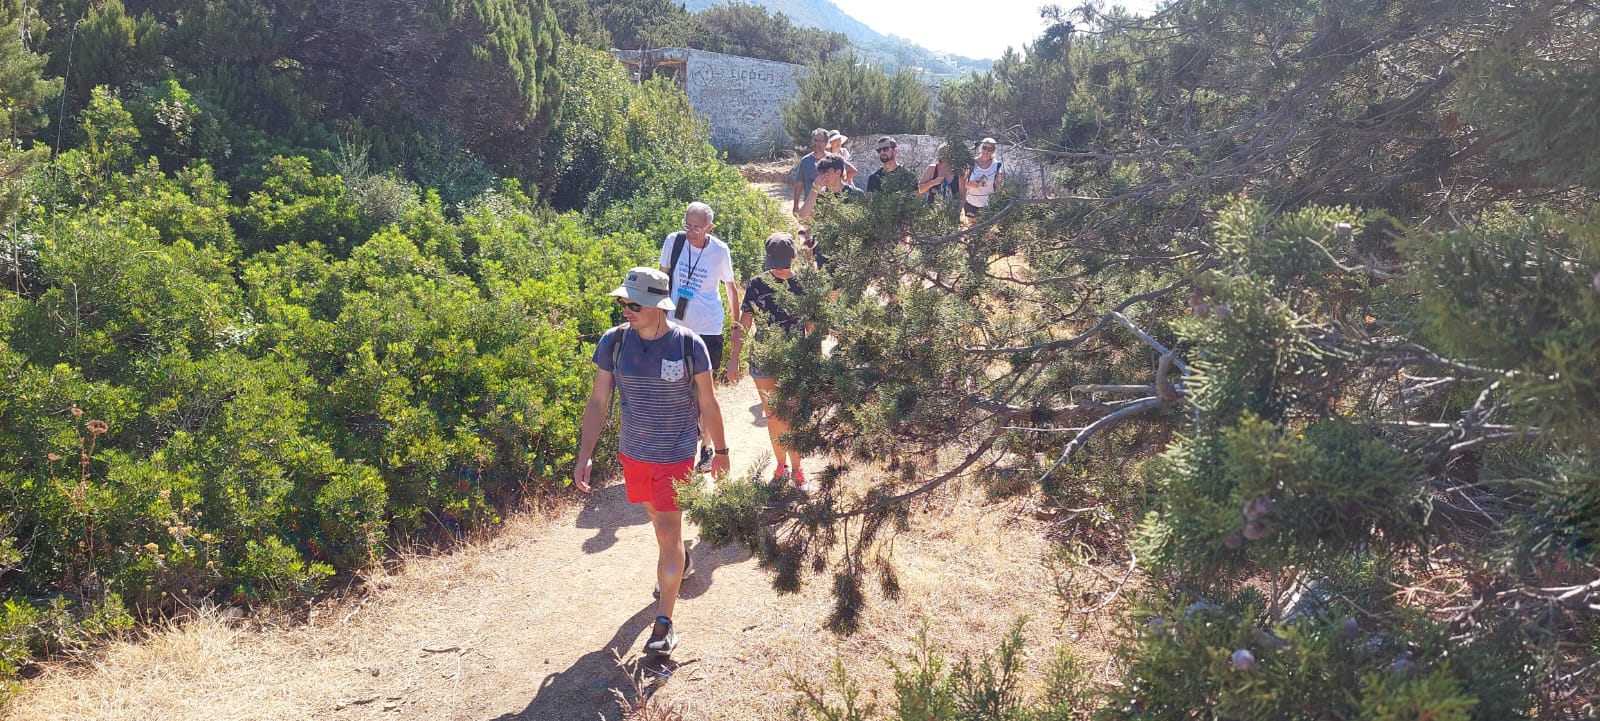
pixel 974 28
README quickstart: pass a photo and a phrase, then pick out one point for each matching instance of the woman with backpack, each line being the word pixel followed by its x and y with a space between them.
pixel 761 299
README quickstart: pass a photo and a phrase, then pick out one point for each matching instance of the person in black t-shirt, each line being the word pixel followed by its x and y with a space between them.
pixel 893 176
pixel 761 299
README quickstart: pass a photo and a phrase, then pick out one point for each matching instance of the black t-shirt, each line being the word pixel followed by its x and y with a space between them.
pixel 761 295
pixel 898 180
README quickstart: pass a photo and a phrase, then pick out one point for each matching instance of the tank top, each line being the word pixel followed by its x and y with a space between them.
pixel 979 197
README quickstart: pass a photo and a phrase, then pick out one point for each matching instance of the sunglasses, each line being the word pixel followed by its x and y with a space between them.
pixel 630 306
pixel 988 147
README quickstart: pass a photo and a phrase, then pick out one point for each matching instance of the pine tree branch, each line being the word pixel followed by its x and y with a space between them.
pixel 1033 414
pixel 1088 432
pixel 1113 314
pixel 1416 353
pixel 926 487
pixel 1491 439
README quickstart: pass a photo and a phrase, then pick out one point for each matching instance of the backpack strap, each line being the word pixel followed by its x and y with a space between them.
pixel 616 356
pixel 688 355
pixel 678 240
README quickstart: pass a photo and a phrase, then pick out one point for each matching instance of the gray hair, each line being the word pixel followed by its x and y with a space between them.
pixel 700 209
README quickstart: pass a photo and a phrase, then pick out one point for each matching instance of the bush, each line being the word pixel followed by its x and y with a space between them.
pixel 858 99
pixel 185 417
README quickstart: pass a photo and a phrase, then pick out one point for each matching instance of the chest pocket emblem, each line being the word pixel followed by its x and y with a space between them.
pixel 671 370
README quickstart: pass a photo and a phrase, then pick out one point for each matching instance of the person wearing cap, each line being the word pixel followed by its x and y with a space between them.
pixel 981 181
pixel 836 141
pixel 805 174
pixel 663 374
pixel 893 176
pixel 761 299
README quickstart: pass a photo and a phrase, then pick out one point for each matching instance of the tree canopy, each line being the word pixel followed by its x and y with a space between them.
pixel 1313 312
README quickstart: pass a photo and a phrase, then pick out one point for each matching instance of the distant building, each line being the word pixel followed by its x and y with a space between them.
pixel 740 98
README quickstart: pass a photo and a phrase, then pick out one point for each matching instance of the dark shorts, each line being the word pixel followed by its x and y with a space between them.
pixel 652 482
pixel 758 374
pixel 970 209
pixel 714 347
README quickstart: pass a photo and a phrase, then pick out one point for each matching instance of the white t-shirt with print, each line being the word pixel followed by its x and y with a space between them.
pixel 702 270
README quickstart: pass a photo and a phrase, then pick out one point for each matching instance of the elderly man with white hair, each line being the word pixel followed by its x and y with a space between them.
pixel 698 263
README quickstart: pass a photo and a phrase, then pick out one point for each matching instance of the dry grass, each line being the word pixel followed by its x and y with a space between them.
pixel 528 624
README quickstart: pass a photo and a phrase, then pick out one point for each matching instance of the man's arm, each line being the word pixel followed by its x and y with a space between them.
pixel 799 189
pixel 594 419
pixel 711 420
pixel 666 256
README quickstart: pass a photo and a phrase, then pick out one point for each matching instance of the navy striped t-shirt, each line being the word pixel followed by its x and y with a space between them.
pixel 660 411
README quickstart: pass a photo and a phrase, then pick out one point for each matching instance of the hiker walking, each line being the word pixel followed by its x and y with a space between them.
pixel 761 299
pixel 981 181
pixel 938 181
pixel 663 373
pixel 805 173
pixel 836 141
pixel 892 177
pixel 830 179
pixel 701 269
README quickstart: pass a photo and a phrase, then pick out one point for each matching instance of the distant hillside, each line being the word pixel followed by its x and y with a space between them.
pixel 888 50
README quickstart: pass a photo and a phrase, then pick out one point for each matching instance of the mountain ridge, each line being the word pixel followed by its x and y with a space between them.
pixel 891 51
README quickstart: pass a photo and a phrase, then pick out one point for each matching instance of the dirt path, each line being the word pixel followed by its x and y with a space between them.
pixel 772 178
pixel 525 626
pixel 528 625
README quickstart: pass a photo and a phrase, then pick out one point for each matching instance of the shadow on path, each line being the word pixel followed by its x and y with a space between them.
pixel 588 689
pixel 707 560
pixel 606 510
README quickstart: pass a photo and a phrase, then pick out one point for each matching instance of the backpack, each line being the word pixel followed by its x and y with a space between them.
pixel 678 241
pixel 616 353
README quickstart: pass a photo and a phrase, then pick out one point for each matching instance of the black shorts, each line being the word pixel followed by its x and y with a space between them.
pixel 714 347
pixel 970 209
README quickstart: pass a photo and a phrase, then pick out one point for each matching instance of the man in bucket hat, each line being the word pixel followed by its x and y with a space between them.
pixel 663 373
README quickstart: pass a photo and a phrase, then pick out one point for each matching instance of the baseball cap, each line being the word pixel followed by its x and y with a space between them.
pixel 648 287
pixel 987 141
pixel 780 251
pixel 886 142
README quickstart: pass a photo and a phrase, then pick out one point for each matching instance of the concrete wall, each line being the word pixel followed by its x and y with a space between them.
pixel 743 101
pixel 741 98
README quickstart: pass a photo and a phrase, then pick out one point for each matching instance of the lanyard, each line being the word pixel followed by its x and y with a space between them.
pixel 694 260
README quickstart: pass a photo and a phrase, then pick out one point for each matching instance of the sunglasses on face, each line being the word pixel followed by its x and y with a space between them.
pixel 697 228
pixel 630 306
pixel 989 148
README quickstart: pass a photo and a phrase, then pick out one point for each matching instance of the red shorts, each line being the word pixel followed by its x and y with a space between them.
pixel 653 481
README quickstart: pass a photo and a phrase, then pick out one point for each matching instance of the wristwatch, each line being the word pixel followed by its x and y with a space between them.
pixel 721 451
